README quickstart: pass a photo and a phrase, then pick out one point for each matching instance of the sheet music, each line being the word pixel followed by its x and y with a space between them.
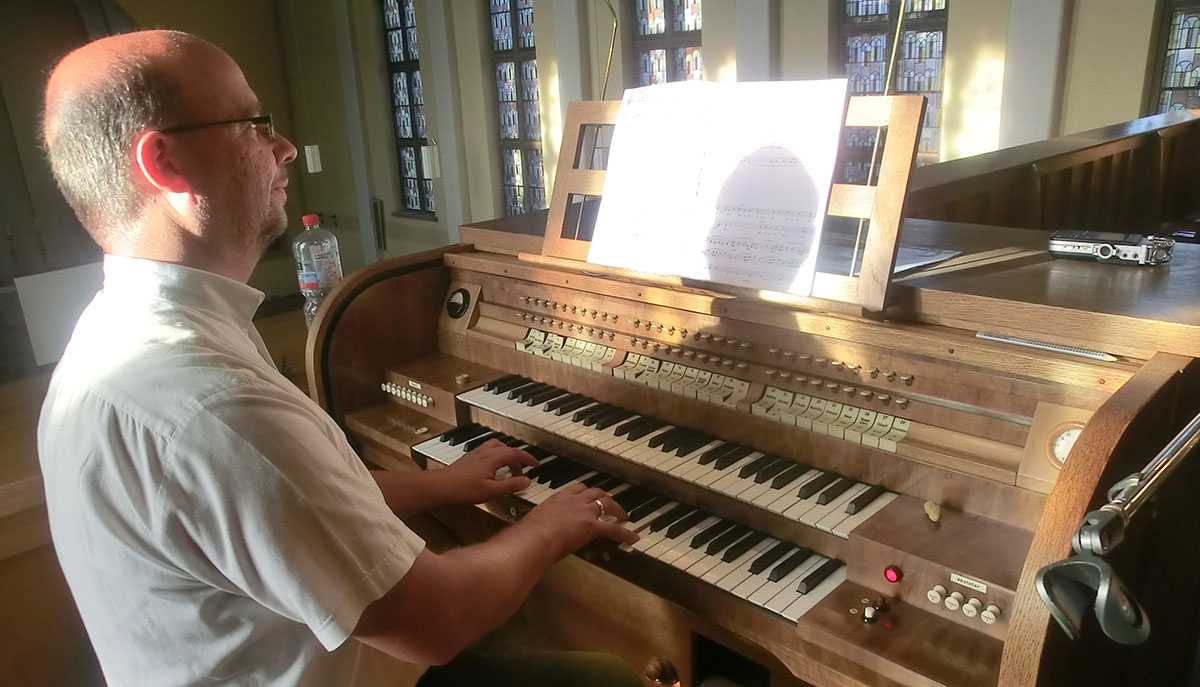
pixel 725 182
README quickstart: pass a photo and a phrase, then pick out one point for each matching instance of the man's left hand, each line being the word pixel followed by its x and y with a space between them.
pixel 472 478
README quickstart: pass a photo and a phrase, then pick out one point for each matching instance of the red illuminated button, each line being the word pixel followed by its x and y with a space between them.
pixel 893 573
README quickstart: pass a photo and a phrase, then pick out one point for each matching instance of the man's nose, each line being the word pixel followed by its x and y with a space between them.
pixel 285 152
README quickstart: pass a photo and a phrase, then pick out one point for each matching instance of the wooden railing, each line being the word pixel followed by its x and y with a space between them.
pixel 1131 177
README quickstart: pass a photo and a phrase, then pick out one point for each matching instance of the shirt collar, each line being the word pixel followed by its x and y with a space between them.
pixel 145 280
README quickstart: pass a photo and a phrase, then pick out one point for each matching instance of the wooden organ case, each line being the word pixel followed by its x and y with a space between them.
pixel 953 448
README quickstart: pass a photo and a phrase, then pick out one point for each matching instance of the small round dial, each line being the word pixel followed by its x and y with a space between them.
pixel 1062 440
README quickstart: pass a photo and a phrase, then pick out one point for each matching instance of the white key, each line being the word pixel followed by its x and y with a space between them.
pixel 674 548
pixel 812 516
pixel 728 574
pixel 790 496
pixel 788 594
pixel 771 589
pixel 835 517
pixel 801 606
pixel 708 479
pixel 847 526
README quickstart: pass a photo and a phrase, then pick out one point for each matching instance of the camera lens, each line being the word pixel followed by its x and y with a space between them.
pixel 1104 250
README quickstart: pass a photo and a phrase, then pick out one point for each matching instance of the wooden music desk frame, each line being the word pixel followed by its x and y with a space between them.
pixel 881 205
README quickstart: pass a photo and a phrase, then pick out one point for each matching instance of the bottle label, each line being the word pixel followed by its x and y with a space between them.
pixel 308 280
pixel 327 266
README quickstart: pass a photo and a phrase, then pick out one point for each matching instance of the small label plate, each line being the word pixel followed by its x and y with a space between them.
pixel 968 583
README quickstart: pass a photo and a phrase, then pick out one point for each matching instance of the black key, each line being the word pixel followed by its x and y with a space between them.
pixel 591 416
pixel 711 532
pixel 775 460
pixel 561 401
pixel 517 390
pixel 726 538
pixel 547 395
pixel 789 564
pixel 836 490
pixel 789 475
pixel 675 441
pixel 637 423
pixel 553 468
pixel 742 546
pixel 467 430
pixel 506 378
pixel 756 465
pixel 716 452
pixel 615 413
pixel 864 499
pixel 573 405
pixel 770 556
pixel 584 414
pixel 686 523
pixel 512 441
pixel 772 470
pixel 466 436
pixel 693 444
pixel 732 457
pixel 537 452
pixel 632 497
pixel 578 470
pixel 478 441
pixel 543 465
pixel 613 419
pixel 658 440
pixel 818 576
pixel 529 392
pixel 645 430
pixel 610 483
pixel 816 484
pixel 596 479
pixel 647 507
pixel 670 516
pixel 510 384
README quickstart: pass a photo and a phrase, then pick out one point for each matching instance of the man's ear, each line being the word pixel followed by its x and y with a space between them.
pixel 157 166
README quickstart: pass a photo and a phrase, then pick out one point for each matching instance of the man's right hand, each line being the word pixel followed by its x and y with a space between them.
pixel 571 518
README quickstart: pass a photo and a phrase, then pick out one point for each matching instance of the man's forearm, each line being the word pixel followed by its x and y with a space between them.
pixel 410 492
pixel 449 600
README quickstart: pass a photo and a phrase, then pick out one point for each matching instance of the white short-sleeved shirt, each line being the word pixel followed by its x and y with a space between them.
pixel 213 523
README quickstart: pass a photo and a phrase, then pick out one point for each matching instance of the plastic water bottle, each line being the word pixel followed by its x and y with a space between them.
pixel 318 265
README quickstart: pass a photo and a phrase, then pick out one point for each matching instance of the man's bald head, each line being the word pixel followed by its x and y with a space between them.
pixel 99 99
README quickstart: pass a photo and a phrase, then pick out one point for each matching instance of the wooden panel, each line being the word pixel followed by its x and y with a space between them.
pixel 1136 191
pixel 951 488
pixel 45 642
pixel 568 179
pixel 1117 427
pixel 381 315
pixel 951 347
pixel 879 257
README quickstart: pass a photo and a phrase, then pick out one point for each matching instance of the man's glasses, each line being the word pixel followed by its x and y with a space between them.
pixel 255 122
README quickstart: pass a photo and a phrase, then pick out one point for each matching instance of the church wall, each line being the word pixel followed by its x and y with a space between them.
pixel 1109 61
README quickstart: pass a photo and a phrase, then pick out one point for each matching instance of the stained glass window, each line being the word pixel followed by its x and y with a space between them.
pixel 867 30
pixel 667 41
pixel 519 121
pixel 1179 78
pixel 408 105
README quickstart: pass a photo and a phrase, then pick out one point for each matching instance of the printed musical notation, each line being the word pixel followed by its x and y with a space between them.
pixel 743 209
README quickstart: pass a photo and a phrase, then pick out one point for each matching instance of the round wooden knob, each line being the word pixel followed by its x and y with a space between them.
pixel 660 671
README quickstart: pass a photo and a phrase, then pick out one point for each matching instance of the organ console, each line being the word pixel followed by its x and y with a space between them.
pixel 825 497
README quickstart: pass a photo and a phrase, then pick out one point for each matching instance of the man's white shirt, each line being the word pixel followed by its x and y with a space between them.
pixel 213 523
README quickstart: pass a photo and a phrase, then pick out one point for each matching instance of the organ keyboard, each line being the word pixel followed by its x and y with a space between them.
pixel 787 468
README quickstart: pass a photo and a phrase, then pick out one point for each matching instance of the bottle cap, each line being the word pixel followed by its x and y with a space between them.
pixel 310 220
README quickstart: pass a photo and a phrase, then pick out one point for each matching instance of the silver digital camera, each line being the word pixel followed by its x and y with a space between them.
pixel 1126 249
